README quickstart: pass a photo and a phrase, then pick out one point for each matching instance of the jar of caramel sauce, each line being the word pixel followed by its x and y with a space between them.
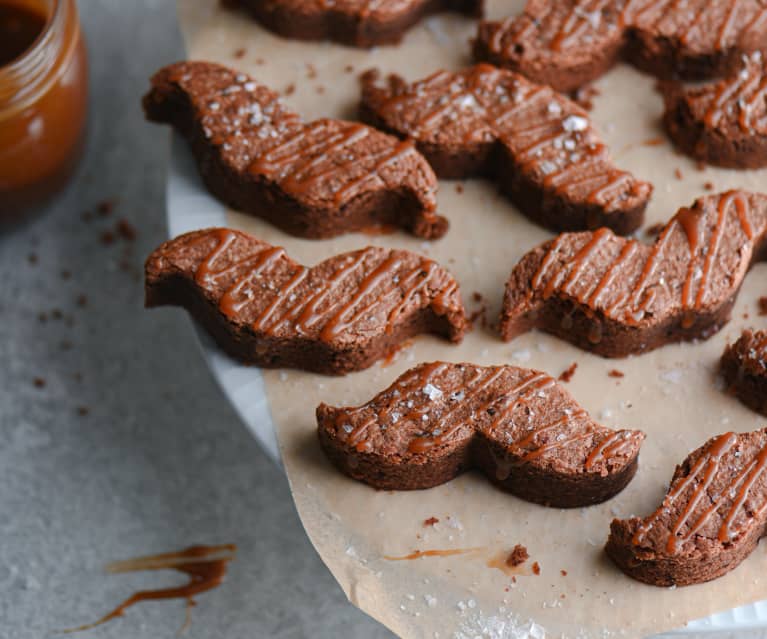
pixel 43 102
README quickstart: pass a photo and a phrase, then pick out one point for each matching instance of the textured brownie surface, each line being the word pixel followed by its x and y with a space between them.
pixel 744 366
pixel 616 296
pixel 570 43
pixel 538 145
pixel 315 179
pixel 263 308
pixel 518 426
pixel 361 23
pixel 723 123
pixel 710 520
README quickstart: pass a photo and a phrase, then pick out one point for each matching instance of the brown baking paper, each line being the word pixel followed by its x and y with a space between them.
pixel 672 393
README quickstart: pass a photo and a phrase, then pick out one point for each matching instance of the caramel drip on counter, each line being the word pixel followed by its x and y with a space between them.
pixel 534 112
pixel 632 306
pixel 205 566
pixel 314 155
pixel 303 312
pixel 700 478
pixel 417 554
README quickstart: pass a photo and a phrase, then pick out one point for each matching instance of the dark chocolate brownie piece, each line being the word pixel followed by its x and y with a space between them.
pixel 518 426
pixel 616 296
pixel 360 23
pixel 265 309
pixel 316 179
pixel 723 123
pixel 538 145
pixel 744 366
pixel 572 42
pixel 710 520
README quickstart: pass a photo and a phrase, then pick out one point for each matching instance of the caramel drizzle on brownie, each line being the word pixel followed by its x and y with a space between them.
pixel 491 398
pixel 546 134
pixel 317 154
pixel 305 312
pixel 699 479
pixel 745 91
pixel 704 237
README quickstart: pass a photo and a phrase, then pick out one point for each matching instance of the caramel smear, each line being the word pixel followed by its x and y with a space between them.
pixel 205 566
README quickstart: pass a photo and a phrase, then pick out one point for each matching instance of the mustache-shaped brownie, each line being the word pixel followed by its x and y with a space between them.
pixel 338 316
pixel 744 367
pixel 539 146
pixel 360 23
pixel 722 123
pixel 317 179
pixel 572 42
pixel 518 426
pixel 710 520
pixel 616 296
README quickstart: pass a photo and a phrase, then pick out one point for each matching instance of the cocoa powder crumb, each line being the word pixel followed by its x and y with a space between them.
pixel 82 411
pixel 709 186
pixel 65 345
pixel 259 61
pixel 349 68
pixel 126 230
pixel 563 573
pixel 430 521
pixel 517 556
pixel 56 314
pixel 32 258
pixel 82 300
pixel 39 382
pixel 567 374
pixel 66 274
pixel 107 238
pixel 290 89
pixel 239 53
pixel 615 373
pixel 320 89
pixel 678 174
pixel 42 317
pixel 311 71
pixel 459 188
pixel 762 303
pixel 536 568
pixel 105 208
pixel 86 216
pixel 476 296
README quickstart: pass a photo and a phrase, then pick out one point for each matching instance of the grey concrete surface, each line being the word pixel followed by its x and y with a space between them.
pixel 160 461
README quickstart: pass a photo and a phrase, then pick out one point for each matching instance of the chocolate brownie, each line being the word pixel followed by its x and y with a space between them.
pixel 572 42
pixel 360 23
pixel 265 309
pixel 539 146
pixel 616 296
pixel 710 520
pixel 744 366
pixel 723 123
pixel 316 179
pixel 519 427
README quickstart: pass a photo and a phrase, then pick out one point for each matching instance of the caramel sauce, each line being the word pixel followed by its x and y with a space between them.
pixel 19 28
pixel 417 554
pixel 205 566
pixel 500 561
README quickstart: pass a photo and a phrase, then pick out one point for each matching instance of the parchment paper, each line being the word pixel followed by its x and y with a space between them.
pixel 672 393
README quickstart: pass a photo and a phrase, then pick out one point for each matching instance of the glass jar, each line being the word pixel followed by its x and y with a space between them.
pixel 43 101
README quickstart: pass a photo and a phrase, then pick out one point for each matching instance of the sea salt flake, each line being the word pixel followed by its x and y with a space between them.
pixel 432 392
pixel 574 123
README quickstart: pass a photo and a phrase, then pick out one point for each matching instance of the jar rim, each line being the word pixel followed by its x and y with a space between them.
pixel 24 75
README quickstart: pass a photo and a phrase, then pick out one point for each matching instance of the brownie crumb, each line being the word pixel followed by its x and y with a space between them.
pixel 107 238
pixel 57 314
pixel 65 345
pixel 700 165
pixel 239 54
pixel 709 186
pixel 563 573
pixel 66 274
pixel 430 521
pixel 655 229
pixel 126 230
pixel 653 142
pixel 567 374
pixel 105 208
pixel 77 376
pixel 584 96
pixel 678 174
pixel 459 188
pixel 290 89
pixel 82 300
pixel 536 568
pixel 260 61
pixel 762 303
pixel 42 317
pixel 517 556
pixel 83 411
pixel 86 216
pixel 476 296
pixel 615 373
pixel 349 68
pixel 32 258
pixel 320 89
pixel 39 382
pixel 311 71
